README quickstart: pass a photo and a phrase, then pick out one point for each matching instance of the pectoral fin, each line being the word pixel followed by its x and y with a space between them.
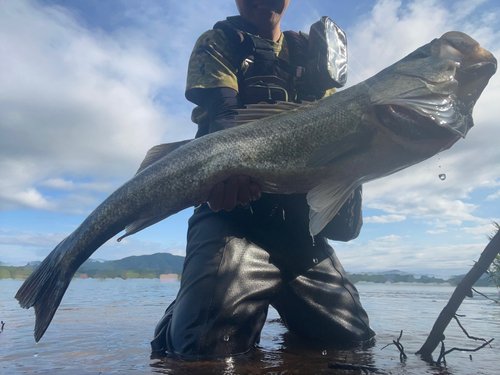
pixel 325 200
pixel 158 152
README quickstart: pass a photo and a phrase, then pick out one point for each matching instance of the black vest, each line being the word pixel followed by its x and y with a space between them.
pixel 262 76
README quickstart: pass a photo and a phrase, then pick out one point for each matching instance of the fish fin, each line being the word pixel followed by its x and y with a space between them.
pixel 325 201
pixel 348 145
pixel 141 224
pixel 157 152
pixel 43 290
pixel 254 112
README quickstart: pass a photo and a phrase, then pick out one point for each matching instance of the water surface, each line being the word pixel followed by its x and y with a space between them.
pixel 104 327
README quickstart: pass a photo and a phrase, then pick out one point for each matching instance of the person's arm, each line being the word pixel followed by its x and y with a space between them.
pixel 220 103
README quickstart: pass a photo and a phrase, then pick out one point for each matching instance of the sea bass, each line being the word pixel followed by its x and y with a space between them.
pixel 407 113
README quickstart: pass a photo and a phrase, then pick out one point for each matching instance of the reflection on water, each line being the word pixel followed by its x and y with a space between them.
pixel 105 327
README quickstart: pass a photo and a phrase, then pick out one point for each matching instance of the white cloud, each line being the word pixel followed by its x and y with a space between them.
pixel 436 231
pixel 68 185
pixel 30 239
pixel 437 223
pixel 70 99
pixel 404 255
pixel 384 219
pixel 493 196
pixel 391 238
pixel 79 102
pixel 481 229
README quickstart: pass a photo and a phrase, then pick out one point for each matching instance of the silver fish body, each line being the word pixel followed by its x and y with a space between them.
pixel 405 114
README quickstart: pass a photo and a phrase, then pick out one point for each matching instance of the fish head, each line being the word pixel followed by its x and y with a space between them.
pixel 429 95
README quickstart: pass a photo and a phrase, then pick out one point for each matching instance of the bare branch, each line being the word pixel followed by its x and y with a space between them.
pixel 466 333
pixel 462 290
pixel 467 350
pixel 402 354
pixel 485 296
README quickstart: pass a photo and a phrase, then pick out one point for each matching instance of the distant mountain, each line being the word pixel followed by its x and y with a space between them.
pixel 154 265
pixel 158 263
pixel 396 276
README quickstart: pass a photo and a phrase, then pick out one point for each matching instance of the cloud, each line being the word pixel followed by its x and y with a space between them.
pixel 30 239
pixel 436 231
pixel 391 238
pixel 393 252
pixel 71 99
pixel 68 185
pixel 481 229
pixel 384 219
pixel 493 196
pixel 86 103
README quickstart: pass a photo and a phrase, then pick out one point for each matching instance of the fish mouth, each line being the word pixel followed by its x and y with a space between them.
pixel 410 124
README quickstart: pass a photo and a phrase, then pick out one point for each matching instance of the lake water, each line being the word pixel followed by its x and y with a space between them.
pixel 104 327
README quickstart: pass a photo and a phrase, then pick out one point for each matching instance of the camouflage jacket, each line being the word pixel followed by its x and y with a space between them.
pixel 216 62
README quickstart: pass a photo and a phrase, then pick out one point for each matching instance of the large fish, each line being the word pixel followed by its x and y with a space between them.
pixel 407 113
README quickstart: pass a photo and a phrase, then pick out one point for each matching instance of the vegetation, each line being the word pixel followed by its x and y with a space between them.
pixel 494 270
pixel 134 267
pixel 395 278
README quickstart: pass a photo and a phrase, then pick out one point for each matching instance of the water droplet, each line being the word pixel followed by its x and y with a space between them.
pixel 226 338
pixel 324 352
pixel 442 176
pixel 315 260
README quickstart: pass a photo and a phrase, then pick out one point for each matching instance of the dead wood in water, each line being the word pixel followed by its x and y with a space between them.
pixel 402 354
pixel 463 289
pixel 445 352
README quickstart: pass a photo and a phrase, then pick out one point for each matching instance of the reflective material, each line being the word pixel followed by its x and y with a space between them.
pixel 327 54
pixel 337 51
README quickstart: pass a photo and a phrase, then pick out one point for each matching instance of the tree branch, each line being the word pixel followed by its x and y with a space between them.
pixel 462 290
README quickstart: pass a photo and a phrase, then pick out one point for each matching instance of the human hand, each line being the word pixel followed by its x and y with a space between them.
pixel 235 190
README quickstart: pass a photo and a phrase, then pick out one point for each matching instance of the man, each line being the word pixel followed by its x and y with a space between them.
pixel 245 252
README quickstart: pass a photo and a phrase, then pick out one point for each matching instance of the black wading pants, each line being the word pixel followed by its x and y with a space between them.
pixel 240 262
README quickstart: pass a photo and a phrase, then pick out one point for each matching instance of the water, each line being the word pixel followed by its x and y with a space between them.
pixel 104 327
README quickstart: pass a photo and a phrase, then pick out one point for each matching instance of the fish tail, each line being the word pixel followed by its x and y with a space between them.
pixel 43 290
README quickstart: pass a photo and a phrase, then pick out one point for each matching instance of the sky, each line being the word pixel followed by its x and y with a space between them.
pixel 88 86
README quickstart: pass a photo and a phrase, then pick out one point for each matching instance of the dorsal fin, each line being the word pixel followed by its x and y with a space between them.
pixel 254 112
pixel 157 152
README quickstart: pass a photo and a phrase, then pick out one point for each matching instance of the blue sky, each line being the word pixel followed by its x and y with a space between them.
pixel 87 87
